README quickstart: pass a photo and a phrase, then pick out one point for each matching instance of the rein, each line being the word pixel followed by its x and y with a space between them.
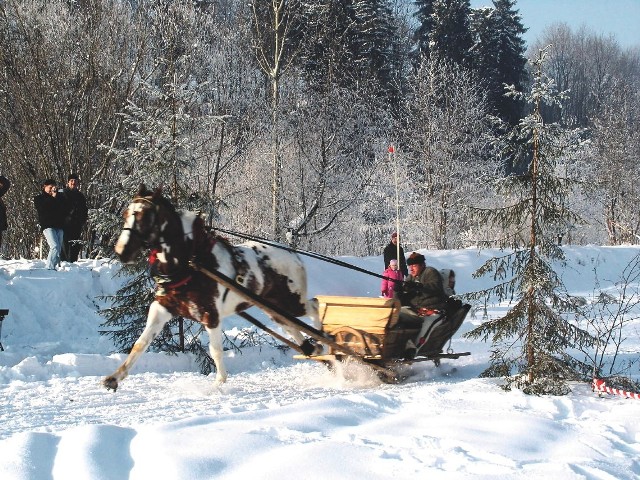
pixel 265 241
pixel 317 256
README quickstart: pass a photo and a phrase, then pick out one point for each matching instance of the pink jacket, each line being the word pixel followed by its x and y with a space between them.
pixel 387 285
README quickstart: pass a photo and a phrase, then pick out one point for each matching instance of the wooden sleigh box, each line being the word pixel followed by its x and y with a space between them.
pixel 366 325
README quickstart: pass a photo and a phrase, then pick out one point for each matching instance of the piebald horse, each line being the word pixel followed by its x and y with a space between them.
pixel 177 238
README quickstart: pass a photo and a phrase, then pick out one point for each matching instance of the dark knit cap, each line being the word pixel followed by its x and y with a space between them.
pixel 73 176
pixel 48 181
pixel 415 259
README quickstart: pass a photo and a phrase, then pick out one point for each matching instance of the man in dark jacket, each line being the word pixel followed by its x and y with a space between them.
pixel 423 303
pixel 423 287
pixel 391 252
pixel 75 220
pixel 51 210
pixel 4 224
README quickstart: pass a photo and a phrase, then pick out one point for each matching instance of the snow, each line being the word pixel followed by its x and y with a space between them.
pixel 281 418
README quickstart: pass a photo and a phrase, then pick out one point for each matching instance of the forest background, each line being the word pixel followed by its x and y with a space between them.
pixel 274 118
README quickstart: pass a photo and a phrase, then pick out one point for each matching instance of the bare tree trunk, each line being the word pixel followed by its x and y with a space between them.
pixel 531 309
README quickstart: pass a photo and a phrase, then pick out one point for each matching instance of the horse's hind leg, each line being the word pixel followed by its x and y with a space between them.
pixel 217 352
pixel 157 318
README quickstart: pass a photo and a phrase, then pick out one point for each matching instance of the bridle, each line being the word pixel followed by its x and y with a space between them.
pixel 133 231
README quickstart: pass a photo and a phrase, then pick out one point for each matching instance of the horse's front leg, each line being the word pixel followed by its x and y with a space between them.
pixel 157 318
pixel 217 352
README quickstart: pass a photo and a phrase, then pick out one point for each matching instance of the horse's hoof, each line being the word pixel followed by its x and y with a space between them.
pixel 110 383
pixel 308 347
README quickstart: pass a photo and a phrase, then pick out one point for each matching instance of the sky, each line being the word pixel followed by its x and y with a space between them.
pixel 278 418
pixel 618 17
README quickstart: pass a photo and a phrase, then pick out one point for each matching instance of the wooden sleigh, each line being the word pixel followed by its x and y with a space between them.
pixel 372 329
pixel 365 329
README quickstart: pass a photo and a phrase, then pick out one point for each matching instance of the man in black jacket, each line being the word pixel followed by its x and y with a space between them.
pixel 4 186
pixel 75 220
pixel 391 252
pixel 52 210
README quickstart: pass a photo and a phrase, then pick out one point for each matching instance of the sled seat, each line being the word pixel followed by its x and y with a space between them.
pixel 445 327
pixel 368 326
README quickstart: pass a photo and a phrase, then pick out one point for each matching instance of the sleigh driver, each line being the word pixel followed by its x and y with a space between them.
pixel 425 304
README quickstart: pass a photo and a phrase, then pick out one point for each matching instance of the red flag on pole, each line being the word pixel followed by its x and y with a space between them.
pixel 391 149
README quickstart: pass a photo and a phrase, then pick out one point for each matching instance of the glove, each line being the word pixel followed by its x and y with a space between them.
pixel 412 287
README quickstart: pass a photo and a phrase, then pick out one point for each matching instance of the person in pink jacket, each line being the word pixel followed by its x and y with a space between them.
pixel 391 273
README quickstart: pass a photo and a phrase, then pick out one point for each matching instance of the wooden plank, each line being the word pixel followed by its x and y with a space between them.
pixel 362 318
pixel 369 314
pixel 365 301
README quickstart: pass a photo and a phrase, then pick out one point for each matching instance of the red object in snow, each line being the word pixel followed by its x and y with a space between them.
pixel 599 385
pixel 392 149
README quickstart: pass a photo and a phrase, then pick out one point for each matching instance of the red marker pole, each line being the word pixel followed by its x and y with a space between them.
pixel 392 154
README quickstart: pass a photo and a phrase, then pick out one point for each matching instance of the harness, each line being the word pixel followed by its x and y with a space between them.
pixel 202 244
pixel 167 282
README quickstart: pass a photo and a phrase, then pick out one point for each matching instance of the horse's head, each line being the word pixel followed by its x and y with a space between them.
pixel 140 224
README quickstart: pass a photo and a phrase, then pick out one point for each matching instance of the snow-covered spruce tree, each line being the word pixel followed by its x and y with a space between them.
pixel 499 56
pixel 532 343
pixel 424 18
pixel 450 37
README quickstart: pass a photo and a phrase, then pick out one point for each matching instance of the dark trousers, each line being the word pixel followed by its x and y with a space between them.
pixel 72 246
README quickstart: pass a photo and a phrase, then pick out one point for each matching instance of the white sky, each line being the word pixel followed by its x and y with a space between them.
pixel 618 17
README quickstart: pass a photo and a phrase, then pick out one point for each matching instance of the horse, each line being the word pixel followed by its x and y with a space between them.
pixel 177 239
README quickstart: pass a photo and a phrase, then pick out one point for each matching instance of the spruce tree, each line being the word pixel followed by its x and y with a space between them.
pixel 328 28
pixel 373 46
pixel 450 37
pixel 498 56
pixel 352 44
pixel 424 17
pixel 532 343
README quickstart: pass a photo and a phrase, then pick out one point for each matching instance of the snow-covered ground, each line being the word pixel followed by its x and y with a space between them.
pixel 280 418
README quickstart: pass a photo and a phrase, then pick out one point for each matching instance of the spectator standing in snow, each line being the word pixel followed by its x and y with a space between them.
pixel 391 252
pixel 52 210
pixel 392 273
pixel 4 187
pixel 75 219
